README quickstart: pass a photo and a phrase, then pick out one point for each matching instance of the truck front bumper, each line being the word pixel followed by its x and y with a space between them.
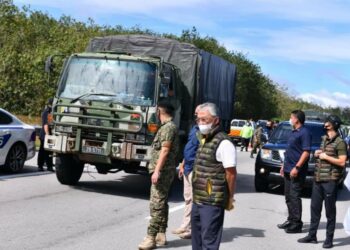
pixel 126 151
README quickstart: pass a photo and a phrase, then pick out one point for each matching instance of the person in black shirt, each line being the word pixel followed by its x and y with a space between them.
pixel 45 156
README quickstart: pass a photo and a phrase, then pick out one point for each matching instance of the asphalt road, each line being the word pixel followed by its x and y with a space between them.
pixel 111 212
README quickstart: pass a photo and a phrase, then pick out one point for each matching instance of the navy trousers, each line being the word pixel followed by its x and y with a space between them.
pixel 206 222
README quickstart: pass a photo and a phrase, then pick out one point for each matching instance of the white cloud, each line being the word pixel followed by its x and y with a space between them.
pixel 306 44
pixel 325 98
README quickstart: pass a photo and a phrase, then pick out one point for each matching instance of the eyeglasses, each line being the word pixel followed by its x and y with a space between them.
pixel 204 120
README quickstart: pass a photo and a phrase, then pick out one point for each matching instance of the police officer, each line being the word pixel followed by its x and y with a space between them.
pixel 43 155
pixel 329 169
pixel 162 170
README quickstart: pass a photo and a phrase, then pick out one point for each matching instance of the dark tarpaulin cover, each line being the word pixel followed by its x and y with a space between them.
pixel 217 84
pixel 205 77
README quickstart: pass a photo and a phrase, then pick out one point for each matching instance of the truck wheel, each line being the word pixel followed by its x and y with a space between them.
pixel 68 170
pixel 261 183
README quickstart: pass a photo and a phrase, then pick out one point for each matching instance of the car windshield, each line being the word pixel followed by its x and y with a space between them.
pixel 127 82
pixel 237 123
pixel 281 133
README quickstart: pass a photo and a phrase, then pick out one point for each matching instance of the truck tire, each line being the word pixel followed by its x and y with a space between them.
pixel 68 170
pixel 261 183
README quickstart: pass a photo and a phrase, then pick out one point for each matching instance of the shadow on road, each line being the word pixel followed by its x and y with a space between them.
pixel 135 186
pixel 228 235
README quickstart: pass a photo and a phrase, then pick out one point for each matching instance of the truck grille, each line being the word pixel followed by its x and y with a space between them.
pixel 99 135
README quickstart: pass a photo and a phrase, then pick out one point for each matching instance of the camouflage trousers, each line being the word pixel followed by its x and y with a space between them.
pixel 159 208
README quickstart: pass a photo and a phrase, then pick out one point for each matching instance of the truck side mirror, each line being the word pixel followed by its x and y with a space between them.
pixel 48 65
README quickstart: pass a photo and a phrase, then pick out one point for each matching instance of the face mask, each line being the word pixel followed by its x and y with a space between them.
pixel 205 128
pixel 290 122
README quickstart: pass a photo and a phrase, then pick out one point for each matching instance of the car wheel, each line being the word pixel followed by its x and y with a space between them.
pixel 16 158
pixel 68 170
pixel 261 183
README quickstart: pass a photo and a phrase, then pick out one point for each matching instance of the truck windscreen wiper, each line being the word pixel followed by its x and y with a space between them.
pixel 90 94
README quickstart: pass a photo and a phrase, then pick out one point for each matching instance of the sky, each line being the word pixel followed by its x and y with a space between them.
pixel 303 45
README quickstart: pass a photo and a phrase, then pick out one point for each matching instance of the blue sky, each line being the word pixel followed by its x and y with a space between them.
pixel 304 45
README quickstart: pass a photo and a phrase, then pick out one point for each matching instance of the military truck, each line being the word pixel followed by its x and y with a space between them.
pixel 105 105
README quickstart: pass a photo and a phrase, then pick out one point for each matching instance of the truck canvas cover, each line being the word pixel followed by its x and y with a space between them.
pixel 206 77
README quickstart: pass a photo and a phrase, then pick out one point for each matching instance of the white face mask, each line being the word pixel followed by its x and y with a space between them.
pixel 205 128
pixel 290 122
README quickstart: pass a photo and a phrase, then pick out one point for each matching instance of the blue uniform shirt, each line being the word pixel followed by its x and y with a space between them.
pixel 299 141
pixel 191 150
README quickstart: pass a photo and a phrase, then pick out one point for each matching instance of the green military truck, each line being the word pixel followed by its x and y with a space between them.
pixel 105 104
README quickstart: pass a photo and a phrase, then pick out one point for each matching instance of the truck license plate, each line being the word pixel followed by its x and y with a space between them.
pixel 93 150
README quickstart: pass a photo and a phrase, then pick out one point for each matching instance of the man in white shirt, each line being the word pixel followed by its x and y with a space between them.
pixel 213 182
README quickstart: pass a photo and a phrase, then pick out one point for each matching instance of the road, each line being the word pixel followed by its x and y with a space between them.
pixel 111 212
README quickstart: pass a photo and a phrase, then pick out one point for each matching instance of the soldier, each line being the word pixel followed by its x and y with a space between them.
pixel 329 170
pixel 162 170
pixel 256 140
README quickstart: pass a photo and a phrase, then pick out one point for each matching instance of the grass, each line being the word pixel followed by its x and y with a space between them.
pixel 32 120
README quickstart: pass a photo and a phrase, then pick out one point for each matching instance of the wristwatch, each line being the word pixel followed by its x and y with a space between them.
pixel 297 168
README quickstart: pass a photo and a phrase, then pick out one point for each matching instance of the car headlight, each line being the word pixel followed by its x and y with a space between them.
pixel 266 154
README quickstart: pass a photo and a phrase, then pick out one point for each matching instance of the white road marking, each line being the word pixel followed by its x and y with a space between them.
pixel 171 210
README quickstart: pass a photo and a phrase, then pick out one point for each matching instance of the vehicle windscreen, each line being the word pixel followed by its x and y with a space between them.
pixel 127 82
pixel 281 133
pixel 237 123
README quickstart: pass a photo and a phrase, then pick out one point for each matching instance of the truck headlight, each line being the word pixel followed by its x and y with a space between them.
pixel 140 138
pixel 64 129
pixel 266 154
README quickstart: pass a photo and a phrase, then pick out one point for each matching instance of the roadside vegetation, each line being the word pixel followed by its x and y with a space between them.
pixel 28 37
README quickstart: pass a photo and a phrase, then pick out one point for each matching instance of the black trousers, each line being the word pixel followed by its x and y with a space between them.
pixel 44 156
pixel 327 192
pixel 245 143
pixel 292 193
pixel 206 226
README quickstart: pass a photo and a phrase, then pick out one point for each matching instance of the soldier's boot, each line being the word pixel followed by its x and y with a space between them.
pixel 148 243
pixel 161 239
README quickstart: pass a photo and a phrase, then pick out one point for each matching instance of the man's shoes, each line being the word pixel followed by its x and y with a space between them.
pixel 284 225
pixel 185 235
pixel 50 169
pixel 251 156
pixel 328 243
pixel 293 229
pixel 179 231
pixel 148 243
pixel 241 149
pixel 308 239
pixel 161 239
pixel 40 169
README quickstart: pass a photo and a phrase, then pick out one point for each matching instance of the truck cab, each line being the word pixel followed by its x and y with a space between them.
pixel 104 112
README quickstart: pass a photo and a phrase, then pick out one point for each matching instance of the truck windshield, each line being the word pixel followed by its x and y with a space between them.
pixel 127 82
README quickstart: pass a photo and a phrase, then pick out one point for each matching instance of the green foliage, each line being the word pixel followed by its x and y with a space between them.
pixel 28 37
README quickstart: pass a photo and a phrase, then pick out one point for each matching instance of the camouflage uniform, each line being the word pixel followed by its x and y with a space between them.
pixel 159 193
pixel 257 139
